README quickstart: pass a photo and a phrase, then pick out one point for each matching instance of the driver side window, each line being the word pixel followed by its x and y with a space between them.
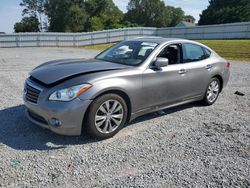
pixel 172 53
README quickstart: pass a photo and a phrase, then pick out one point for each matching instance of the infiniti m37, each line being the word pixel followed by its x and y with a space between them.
pixel 132 78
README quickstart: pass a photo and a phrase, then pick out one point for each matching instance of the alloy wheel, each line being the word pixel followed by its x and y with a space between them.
pixel 213 91
pixel 109 116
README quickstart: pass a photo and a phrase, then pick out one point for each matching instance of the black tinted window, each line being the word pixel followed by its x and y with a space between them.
pixel 207 52
pixel 192 52
pixel 172 53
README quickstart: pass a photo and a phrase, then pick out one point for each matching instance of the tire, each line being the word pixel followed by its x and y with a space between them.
pixel 106 116
pixel 212 92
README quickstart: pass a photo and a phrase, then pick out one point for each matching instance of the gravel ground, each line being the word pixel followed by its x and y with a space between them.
pixel 187 146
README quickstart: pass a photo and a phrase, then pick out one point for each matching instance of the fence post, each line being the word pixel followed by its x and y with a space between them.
pixel 186 33
pixel 17 40
pixel 91 39
pixel 156 33
pixel 248 30
pixel 74 41
pixel 223 31
pixel 57 41
pixel 38 40
pixel 108 36
pixel 141 31
pixel 170 33
pixel 1 42
pixel 203 33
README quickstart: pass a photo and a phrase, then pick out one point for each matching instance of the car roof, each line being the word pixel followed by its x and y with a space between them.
pixel 161 40
pixel 158 40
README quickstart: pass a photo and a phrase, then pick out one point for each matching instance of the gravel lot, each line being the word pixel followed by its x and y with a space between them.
pixel 188 146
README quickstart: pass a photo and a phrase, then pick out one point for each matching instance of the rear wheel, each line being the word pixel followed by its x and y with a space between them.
pixel 106 116
pixel 212 92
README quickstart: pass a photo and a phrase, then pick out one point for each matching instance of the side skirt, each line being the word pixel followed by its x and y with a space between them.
pixel 162 107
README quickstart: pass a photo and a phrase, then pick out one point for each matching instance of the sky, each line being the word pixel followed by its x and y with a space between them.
pixel 11 12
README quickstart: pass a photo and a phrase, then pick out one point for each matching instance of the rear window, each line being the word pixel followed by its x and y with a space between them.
pixel 207 52
pixel 193 52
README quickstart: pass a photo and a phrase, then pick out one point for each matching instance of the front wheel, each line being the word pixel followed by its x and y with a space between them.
pixel 212 92
pixel 106 116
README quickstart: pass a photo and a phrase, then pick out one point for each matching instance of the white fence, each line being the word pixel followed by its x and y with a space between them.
pixel 223 31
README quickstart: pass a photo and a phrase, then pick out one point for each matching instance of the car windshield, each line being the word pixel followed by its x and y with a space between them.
pixel 128 53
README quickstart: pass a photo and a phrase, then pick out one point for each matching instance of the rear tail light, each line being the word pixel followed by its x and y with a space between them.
pixel 228 65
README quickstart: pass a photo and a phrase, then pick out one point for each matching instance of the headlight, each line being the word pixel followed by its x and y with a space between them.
pixel 69 93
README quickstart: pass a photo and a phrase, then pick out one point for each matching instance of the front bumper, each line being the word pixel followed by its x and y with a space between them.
pixel 70 114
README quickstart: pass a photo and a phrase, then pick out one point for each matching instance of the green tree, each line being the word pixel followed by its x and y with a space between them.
pixel 66 15
pixel 176 15
pixel 102 14
pixel 225 11
pixel 76 19
pixel 153 13
pixel 82 15
pixel 148 13
pixel 27 24
pixel 93 15
pixel 34 8
pixel 111 16
pixel 96 24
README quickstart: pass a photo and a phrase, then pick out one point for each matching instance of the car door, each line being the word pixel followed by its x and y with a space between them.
pixel 198 66
pixel 177 82
pixel 168 84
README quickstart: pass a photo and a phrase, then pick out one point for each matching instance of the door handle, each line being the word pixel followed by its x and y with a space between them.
pixel 209 66
pixel 182 71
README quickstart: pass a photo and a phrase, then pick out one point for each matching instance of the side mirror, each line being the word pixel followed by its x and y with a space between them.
pixel 161 62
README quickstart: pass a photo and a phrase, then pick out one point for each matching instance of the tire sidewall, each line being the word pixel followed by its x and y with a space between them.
pixel 90 119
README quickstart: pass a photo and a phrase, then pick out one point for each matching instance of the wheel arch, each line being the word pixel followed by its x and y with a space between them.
pixel 219 77
pixel 121 93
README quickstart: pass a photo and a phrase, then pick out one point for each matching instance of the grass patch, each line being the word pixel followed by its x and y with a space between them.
pixel 100 47
pixel 229 49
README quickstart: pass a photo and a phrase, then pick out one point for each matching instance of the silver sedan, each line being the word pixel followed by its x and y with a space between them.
pixel 132 78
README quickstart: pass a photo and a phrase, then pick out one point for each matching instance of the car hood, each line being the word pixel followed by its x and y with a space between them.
pixel 56 71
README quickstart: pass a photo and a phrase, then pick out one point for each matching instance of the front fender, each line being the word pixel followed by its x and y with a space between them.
pixel 131 87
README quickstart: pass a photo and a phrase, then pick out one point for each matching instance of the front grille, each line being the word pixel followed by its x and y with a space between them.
pixel 32 93
pixel 37 117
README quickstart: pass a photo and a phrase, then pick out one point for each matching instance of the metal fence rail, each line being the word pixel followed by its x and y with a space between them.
pixel 223 31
